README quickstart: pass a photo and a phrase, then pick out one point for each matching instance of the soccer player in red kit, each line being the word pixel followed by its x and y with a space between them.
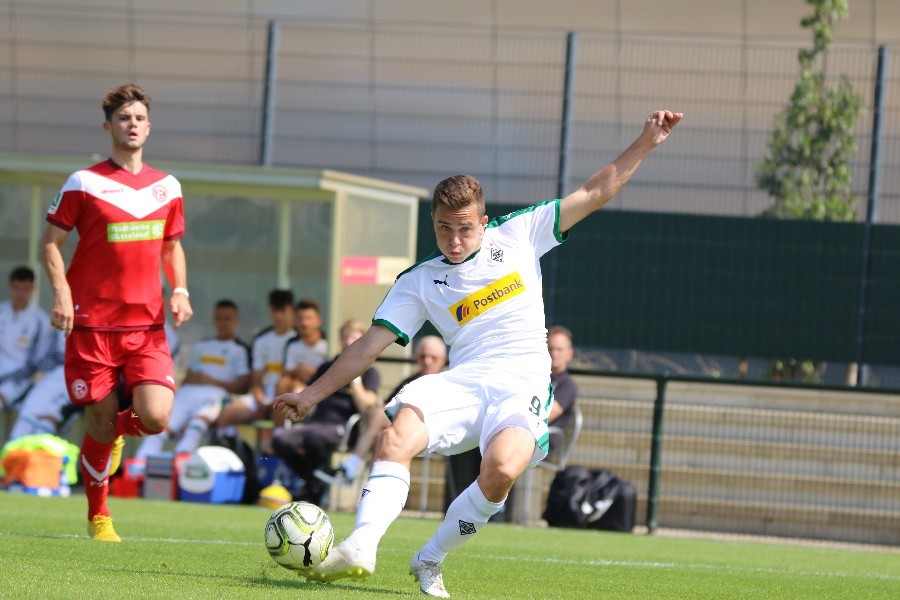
pixel 129 219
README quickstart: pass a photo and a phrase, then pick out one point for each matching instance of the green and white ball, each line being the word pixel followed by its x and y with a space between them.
pixel 299 536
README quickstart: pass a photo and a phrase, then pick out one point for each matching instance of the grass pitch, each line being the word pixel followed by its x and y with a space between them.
pixel 184 550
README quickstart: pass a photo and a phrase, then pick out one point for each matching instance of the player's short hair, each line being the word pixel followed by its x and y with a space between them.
pixel 279 299
pixel 458 192
pixel 307 304
pixel 118 97
pixel 559 329
pixel 22 273
pixel 226 303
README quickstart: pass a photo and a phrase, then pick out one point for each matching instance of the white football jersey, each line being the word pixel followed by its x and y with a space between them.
pixel 268 357
pixel 224 360
pixel 25 338
pixel 299 352
pixel 490 305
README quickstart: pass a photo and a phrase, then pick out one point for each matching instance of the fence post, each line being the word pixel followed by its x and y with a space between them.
pixel 562 175
pixel 871 212
pixel 268 113
pixel 656 454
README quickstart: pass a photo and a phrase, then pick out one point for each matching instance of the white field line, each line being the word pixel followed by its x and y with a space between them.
pixel 549 560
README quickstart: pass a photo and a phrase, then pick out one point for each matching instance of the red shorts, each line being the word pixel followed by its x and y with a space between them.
pixel 97 361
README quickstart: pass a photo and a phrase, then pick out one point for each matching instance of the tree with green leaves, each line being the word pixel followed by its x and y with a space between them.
pixel 806 169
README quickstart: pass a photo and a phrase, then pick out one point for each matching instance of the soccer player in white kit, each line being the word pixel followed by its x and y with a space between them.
pixel 304 353
pixel 482 291
pixel 43 408
pixel 267 356
pixel 25 337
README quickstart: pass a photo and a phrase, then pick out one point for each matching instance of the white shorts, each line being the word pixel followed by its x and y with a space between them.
pixel 467 406
pixel 47 399
pixel 246 400
pixel 191 400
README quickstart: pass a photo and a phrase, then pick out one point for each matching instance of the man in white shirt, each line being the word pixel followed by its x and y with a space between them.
pixel 307 351
pixel 267 355
pixel 25 337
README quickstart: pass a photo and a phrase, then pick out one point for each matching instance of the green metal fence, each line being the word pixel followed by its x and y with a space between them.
pixel 797 461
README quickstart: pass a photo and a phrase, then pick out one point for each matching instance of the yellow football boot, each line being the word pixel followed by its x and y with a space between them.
pixel 101 529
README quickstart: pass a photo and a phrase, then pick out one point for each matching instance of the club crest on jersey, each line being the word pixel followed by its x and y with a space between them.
pixel 486 298
pixel 496 254
pixel 160 192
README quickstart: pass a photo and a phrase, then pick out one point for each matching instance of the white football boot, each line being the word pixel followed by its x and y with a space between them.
pixel 428 574
pixel 340 563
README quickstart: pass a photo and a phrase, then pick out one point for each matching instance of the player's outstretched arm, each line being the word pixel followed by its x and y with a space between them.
pixel 606 183
pixel 352 363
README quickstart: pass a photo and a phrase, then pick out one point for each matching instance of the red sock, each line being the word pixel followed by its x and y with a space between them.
pixel 95 471
pixel 129 423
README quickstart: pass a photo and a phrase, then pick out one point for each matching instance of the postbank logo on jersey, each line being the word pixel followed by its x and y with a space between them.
pixel 486 298
pixel 136 231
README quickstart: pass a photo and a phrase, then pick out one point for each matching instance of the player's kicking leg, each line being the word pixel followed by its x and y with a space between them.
pixel 383 497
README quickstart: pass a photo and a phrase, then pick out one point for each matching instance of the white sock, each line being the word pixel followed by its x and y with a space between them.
pixel 465 517
pixel 351 465
pixel 194 433
pixel 152 444
pixel 383 497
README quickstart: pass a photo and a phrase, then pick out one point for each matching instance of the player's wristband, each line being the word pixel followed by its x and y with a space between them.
pixel 180 290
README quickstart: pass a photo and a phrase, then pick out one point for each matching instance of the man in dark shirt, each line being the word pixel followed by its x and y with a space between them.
pixel 565 390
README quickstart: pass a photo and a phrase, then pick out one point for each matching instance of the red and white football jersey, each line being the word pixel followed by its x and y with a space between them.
pixel 122 220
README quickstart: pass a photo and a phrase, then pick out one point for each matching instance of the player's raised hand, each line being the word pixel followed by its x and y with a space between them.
pixel 292 406
pixel 659 124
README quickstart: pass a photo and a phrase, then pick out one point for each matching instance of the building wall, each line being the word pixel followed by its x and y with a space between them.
pixel 413 90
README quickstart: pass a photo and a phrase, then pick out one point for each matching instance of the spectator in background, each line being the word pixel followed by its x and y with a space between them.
pixel 46 405
pixel 308 445
pixel 25 337
pixel 431 356
pixel 307 351
pixel 130 220
pixel 219 366
pixel 267 353
pixel 565 390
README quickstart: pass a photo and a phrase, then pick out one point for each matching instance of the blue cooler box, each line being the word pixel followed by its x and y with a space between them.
pixel 212 474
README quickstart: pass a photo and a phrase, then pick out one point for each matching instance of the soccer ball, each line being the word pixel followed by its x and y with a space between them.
pixel 299 536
